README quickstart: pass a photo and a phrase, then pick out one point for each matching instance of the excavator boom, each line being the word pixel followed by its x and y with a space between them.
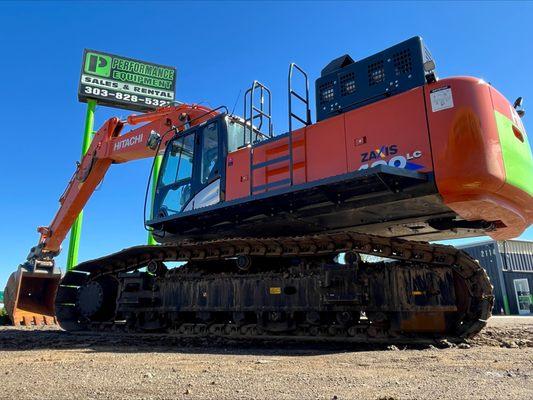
pixel 31 290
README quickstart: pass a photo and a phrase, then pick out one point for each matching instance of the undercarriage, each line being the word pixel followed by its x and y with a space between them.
pixel 344 286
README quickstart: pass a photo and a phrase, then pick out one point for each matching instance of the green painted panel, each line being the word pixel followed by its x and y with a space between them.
pixel 506 307
pixel 517 158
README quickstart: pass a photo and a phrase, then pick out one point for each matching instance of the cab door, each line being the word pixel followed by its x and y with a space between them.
pixel 207 185
pixel 176 183
pixel 190 175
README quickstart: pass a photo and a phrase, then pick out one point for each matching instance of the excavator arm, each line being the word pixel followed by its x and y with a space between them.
pixel 30 291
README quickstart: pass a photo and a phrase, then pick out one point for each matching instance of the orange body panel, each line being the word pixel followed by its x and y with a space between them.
pixel 468 159
pixel 392 132
pixel 457 141
pixel 238 174
pixel 300 158
pixel 398 121
pixel 326 149
pixel 271 163
pixel 273 173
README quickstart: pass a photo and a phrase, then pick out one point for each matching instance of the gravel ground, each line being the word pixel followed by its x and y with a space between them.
pixel 48 363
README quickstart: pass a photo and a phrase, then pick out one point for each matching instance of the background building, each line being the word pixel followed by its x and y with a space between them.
pixel 509 264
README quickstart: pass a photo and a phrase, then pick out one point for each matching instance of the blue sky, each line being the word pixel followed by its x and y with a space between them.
pixel 218 48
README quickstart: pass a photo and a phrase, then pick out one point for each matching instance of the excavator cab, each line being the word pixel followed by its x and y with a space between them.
pixel 192 170
pixel 192 174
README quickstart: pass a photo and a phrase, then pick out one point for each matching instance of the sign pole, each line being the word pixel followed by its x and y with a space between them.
pixel 75 231
pixel 122 82
pixel 155 176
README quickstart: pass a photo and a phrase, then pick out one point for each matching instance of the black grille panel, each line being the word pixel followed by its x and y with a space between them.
pixel 402 62
pixel 347 84
pixel 376 73
pixel 327 92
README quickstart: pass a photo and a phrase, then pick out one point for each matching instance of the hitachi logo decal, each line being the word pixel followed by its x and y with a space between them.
pixel 128 142
pixel 388 155
pixel 382 152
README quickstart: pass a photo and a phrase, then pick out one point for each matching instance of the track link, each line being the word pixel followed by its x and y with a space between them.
pixel 477 297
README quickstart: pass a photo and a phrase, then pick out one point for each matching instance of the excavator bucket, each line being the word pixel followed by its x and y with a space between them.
pixel 29 297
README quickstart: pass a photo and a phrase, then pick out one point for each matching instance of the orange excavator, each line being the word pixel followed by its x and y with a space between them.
pixel 318 233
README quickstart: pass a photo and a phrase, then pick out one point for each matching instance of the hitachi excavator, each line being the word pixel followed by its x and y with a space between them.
pixel 318 233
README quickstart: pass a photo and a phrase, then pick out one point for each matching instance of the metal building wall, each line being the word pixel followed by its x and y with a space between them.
pixel 489 258
pixel 504 262
pixel 517 255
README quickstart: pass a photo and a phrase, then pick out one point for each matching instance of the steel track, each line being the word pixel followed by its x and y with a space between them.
pixel 477 287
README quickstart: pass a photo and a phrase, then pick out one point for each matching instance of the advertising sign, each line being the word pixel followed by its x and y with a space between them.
pixel 123 82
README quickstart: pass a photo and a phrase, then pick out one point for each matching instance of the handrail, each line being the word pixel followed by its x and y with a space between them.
pixel 261 113
pixel 293 93
pixel 305 100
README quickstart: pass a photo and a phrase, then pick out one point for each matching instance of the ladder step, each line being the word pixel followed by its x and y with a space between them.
pixel 299 119
pixel 298 96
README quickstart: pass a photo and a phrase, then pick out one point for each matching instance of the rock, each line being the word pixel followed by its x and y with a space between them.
pixel 187 391
pixel 393 348
pixel 464 346
pixel 524 343
pixel 262 361
pixel 148 375
pixel 445 343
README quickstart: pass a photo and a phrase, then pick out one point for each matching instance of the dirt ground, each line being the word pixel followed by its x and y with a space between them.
pixel 49 363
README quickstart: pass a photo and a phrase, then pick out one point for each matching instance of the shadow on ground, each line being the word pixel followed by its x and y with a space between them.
pixel 17 339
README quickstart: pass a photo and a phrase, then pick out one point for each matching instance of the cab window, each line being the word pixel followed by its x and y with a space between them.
pixel 209 165
pixel 237 137
pixel 174 187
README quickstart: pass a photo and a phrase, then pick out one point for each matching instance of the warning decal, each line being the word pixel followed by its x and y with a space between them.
pixel 441 99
